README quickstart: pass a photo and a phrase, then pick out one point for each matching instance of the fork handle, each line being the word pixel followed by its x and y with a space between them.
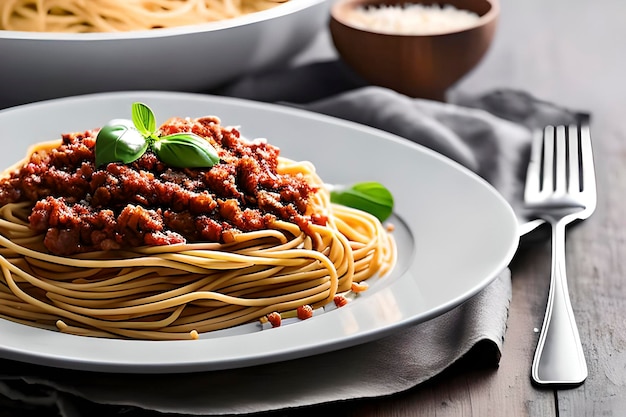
pixel 559 358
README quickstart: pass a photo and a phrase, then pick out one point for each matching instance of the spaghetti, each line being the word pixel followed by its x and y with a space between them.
pixel 177 291
pixel 79 16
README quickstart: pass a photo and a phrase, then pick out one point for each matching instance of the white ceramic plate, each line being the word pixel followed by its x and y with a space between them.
pixel 37 66
pixel 454 232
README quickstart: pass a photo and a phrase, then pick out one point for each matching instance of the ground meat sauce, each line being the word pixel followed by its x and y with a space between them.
pixel 81 208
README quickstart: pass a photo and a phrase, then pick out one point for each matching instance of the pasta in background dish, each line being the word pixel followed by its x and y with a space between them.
pixel 84 249
pixel 79 16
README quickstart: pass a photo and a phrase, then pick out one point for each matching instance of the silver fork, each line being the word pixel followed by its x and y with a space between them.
pixel 560 188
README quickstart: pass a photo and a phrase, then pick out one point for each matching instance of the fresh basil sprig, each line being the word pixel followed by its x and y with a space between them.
pixel 125 141
pixel 371 197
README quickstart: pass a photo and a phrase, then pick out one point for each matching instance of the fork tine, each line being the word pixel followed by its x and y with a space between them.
pixel 548 159
pixel 586 161
pixel 533 173
pixel 560 160
pixel 574 160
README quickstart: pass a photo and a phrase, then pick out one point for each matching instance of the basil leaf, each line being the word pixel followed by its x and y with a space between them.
pixel 119 141
pixel 371 197
pixel 185 150
pixel 143 119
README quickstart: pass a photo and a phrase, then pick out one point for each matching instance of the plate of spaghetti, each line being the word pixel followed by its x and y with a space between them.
pixel 231 233
pixel 67 47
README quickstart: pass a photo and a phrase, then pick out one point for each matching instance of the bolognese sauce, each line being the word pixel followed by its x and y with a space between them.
pixel 82 208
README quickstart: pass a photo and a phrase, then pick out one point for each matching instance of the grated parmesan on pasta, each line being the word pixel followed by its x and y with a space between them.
pixel 412 19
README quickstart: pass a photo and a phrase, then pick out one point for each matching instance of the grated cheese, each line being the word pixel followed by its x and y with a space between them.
pixel 412 19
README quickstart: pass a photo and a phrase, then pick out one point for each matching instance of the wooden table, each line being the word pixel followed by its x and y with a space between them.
pixel 569 52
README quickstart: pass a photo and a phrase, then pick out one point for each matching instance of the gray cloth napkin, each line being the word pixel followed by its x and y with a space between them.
pixel 488 134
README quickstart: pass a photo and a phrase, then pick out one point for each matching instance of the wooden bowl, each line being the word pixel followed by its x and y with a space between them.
pixel 422 66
